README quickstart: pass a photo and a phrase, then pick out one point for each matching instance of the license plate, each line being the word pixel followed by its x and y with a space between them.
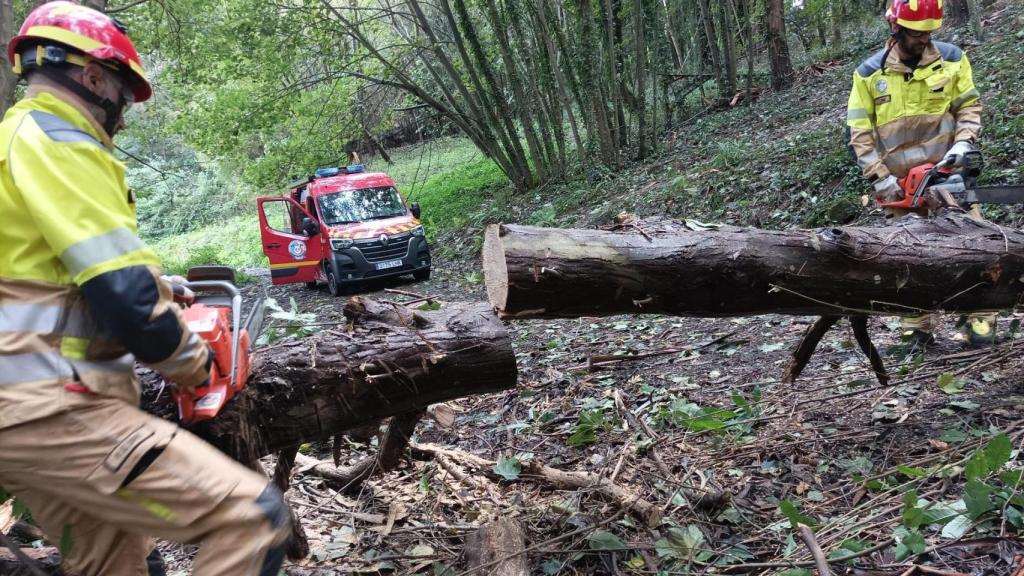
pixel 389 264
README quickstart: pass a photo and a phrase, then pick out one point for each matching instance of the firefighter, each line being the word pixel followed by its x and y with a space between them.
pixel 80 302
pixel 912 103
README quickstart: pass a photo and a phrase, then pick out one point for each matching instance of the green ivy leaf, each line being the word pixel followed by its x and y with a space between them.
pixel 911 543
pixel 680 543
pixel 977 467
pixel 997 452
pixel 604 540
pixel 550 567
pixel 911 472
pixel 848 547
pixel 950 384
pixel 976 498
pixel 1015 516
pixel 792 513
pixel 956 527
pixel 912 516
pixel 508 468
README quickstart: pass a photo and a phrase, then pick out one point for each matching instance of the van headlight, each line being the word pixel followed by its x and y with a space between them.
pixel 338 244
pixel 418 231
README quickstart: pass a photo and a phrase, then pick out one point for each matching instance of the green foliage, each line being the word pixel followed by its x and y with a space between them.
pixel 792 513
pixel 680 543
pixel 603 540
pixel 508 468
pixel 286 323
pixel 585 431
pixel 950 384
pixel 235 242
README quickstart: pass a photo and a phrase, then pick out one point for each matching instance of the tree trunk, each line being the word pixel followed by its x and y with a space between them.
pixel 956 12
pixel 711 37
pixel 778 49
pixel 9 24
pixel 836 21
pixel 392 361
pixel 725 30
pixel 948 263
pixel 974 18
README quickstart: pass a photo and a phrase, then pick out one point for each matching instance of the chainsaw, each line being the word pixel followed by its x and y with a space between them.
pixel 951 182
pixel 215 315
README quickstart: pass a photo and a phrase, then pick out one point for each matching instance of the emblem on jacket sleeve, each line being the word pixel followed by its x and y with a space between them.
pixel 881 86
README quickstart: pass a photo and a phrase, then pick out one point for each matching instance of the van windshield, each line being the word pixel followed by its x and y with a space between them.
pixel 350 206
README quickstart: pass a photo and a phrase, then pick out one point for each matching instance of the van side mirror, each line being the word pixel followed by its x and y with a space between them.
pixel 309 228
pixel 415 209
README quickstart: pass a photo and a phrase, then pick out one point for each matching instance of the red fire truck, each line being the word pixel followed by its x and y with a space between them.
pixel 339 226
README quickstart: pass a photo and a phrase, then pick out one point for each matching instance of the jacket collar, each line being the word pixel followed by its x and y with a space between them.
pixel 54 101
pixel 893 62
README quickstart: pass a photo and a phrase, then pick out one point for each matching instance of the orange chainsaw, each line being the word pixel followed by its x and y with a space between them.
pixel 215 315
pixel 952 181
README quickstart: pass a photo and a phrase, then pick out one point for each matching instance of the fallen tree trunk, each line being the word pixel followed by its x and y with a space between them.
pixel 947 263
pixel 390 360
pixel 497 549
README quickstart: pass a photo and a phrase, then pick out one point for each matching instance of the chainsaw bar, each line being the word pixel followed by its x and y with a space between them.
pixel 254 322
pixel 993 195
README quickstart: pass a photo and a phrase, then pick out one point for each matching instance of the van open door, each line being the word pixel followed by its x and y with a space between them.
pixel 295 254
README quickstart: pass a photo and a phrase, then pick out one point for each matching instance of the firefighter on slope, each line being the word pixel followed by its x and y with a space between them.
pixel 80 301
pixel 912 103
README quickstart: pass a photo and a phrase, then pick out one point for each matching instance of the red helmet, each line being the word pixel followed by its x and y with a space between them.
pixel 87 31
pixel 920 15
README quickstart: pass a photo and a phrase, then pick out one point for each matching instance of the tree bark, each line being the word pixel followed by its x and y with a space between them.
pixel 659 267
pixel 46 560
pixel 778 48
pixel 496 549
pixel 391 361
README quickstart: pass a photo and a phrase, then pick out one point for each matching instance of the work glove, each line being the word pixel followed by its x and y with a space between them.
pixel 189 383
pixel 182 295
pixel 955 154
pixel 888 189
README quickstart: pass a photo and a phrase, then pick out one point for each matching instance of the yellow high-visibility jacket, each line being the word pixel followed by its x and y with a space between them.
pixel 80 294
pixel 900 118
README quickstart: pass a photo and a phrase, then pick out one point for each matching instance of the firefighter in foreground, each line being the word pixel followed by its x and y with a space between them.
pixel 912 103
pixel 80 300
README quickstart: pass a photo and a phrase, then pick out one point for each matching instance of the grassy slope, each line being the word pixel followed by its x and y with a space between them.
pixel 779 163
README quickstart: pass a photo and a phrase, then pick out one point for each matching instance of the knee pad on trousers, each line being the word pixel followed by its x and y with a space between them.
pixel 271 501
pixel 155 563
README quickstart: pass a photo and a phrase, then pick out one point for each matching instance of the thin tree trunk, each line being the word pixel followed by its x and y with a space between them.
pixel 778 48
pixel 974 6
pixel 725 30
pixel 711 39
pixel 836 19
pixel 639 86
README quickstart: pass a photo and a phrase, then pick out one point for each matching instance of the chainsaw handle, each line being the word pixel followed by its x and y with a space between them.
pixel 928 178
pixel 236 313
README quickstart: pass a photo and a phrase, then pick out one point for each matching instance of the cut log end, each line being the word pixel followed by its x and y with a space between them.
pixel 495 272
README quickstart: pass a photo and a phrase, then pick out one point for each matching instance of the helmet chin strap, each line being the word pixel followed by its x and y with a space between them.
pixel 111 109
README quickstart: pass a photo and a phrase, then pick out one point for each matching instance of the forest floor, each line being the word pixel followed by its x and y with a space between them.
pixel 692 418
pixel 690 415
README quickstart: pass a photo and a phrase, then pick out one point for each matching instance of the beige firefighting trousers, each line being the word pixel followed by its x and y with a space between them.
pixel 930 322
pixel 113 477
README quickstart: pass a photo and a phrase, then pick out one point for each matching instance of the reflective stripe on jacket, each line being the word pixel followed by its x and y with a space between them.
pixel 80 296
pixel 900 118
